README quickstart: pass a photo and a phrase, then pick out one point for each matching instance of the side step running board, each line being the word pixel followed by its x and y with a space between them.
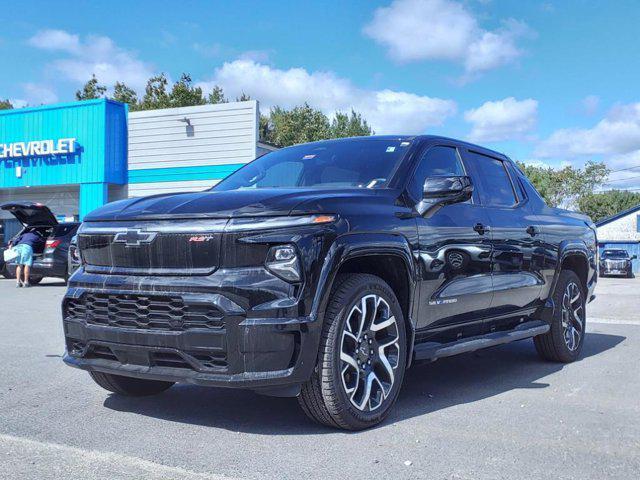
pixel 433 350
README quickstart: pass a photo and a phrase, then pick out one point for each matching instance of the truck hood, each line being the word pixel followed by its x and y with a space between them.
pixel 228 204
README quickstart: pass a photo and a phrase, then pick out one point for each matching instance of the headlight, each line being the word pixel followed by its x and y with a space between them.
pixel 283 261
pixel 242 224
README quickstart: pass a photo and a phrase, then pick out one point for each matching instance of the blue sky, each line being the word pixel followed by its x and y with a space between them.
pixel 543 81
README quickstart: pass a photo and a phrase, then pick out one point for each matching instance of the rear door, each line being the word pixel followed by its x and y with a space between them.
pixel 517 282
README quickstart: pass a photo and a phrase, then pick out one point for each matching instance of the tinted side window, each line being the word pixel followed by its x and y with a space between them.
pixel 493 182
pixel 434 162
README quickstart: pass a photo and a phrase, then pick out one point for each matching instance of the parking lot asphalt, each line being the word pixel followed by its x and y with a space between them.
pixel 494 414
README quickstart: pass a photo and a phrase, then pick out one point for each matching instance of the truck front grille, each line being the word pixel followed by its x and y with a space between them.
pixel 616 264
pixel 144 312
pixel 150 252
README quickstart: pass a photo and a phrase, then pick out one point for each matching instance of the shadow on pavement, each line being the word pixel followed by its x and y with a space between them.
pixel 427 388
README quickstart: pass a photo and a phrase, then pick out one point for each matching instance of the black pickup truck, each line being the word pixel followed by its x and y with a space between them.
pixel 324 270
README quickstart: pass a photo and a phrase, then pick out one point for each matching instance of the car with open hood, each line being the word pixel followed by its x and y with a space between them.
pixel 51 259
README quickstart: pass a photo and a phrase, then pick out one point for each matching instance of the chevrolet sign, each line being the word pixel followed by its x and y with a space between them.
pixel 38 148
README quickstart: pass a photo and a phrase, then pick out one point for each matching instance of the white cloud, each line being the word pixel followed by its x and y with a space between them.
pixel 502 120
pixel 617 133
pixel 56 40
pixel 414 30
pixel 93 54
pixel 207 49
pixel 261 56
pixel 34 94
pixel 18 102
pixel 626 173
pixel 535 162
pixel 615 140
pixel 387 111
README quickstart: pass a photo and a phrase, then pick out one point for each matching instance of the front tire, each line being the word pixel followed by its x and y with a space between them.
pixel 564 342
pixel 128 386
pixel 362 355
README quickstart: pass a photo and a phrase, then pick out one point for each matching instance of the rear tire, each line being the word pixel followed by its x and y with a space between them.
pixel 564 342
pixel 35 280
pixel 128 386
pixel 362 356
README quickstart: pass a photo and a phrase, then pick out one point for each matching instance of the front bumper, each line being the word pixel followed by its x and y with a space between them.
pixel 609 271
pixel 149 330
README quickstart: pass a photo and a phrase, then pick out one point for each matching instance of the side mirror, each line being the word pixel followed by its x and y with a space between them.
pixel 444 190
pixel 634 257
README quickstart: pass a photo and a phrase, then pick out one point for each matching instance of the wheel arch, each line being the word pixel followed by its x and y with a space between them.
pixel 573 255
pixel 384 255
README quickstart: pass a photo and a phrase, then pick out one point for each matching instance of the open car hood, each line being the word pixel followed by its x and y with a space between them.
pixel 31 214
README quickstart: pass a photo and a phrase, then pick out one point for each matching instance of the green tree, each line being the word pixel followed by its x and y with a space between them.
pixel 604 204
pixel 344 125
pixel 92 89
pixel 5 105
pixel 155 94
pixel 298 125
pixel 184 94
pixel 566 186
pixel 124 94
pixel 265 129
pixel 217 95
pixel 243 98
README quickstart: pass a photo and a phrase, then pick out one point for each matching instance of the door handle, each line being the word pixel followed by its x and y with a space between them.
pixel 531 230
pixel 480 228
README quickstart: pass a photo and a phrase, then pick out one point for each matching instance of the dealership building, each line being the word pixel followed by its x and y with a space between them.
pixel 75 157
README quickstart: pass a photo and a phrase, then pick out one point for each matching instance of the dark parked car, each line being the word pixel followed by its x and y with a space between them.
pixel 51 261
pixel 324 270
pixel 616 262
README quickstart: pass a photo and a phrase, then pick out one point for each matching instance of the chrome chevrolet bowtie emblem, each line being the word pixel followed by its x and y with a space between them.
pixel 135 237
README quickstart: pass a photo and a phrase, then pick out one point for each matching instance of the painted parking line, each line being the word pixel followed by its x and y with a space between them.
pixel 52 459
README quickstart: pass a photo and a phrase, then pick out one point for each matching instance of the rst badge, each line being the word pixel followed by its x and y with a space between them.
pixel 200 238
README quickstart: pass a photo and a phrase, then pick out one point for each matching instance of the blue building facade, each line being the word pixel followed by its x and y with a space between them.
pixel 80 146
pixel 75 157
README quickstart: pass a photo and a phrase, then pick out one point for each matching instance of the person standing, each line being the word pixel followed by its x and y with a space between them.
pixel 24 245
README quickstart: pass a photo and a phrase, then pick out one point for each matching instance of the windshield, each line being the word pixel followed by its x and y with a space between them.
pixel 615 254
pixel 354 163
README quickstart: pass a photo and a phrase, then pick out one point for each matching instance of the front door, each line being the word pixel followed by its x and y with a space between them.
pixel 455 256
